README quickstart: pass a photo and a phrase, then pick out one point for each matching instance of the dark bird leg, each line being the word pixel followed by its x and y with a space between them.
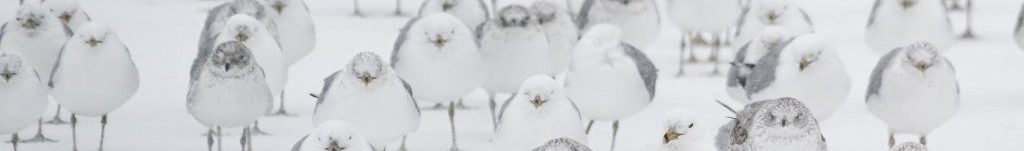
pixel 56 118
pixel 924 139
pixel 103 131
pixel 39 138
pixel 74 133
pixel 590 125
pixel 403 144
pixel 257 131
pixel 968 33
pixel 715 51
pixel 892 140
pixel 281 109
pixel 615 133
pixel 694 39
pixel 494 117
pixel 451 119
pixel 220 140
pixel 355 7
pixel 398 7
pixel 14 141
pixel 209 140
pixel 682 57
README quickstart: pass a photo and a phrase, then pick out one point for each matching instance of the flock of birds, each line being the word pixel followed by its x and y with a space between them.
pixel 564 69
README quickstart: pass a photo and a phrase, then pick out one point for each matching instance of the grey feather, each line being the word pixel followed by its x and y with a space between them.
pixel 763 73
pixel 328 84
pixel 478 32
pixel 734 78
pixel 67 31
pixel 298 145
pixel 505 105
pixel 487 14
pixel 563 144
pixel 742 21
pixel 657 12
pixel 1020 20
pixel 807 18
pixel 876 75
pixel 408 89
pixel 206 37
pixel 582 20
pixel 648 71
pixel 3 31
pixel 54 72
pixel 951 67
pixel 403 35
pixel 874 12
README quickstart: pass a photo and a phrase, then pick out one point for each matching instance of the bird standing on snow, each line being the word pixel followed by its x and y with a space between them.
pixel 69 12
pixel 681 133
pixel 22 95
pixel 776 124
pixel 538 112
pixel 297 35
pixel 764 13
pixel 638 19
pixel 610 79
pixel 807 69
pixel 471 12
pixel 909 146
pixel 219 16
pixel 563 144
pixel 39 37
pixel 913 90
pixel 437 55
pixel 773 38
pixel 561 32
pixel 227 88
pixel 265 48
pixel 95 75
pixel 368 93
pixel 332 136
pixel 514 47
pixel 897 23
pixel 696 17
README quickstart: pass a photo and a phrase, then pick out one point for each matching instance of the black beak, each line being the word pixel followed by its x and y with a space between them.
pixel 93 41
pixel 366 79
pixel 804 62
pixel 30 23
pixel 537 102
pixel 7 75
pixel 907 3
pixel 446 6
pixel 278 6
pixel 335 147
pixel 242 37
pixel 772 16
pixel 440 41
pixel 669 136
pixel 227 67
pixel 921 67
pixel 65 17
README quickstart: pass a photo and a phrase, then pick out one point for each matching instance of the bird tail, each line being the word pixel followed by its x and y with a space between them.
pixel 727 107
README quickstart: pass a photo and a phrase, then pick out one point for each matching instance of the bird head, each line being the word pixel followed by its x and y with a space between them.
pixel 367 67
pixel 545 11
pixel 10 65
pixel 331 136
pixel 94 33
pixel 679 124
pixel 921 56
pixel 232 55
pixel 539 90
pixel 783 118
pixel 32 15
pixel 64 9
pixel 516 16
pixel 252 8
pixel 242 27
pixel 438 30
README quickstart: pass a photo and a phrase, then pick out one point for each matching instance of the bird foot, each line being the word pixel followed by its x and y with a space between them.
pixel 258 132
pixel 439 106
pixel 967 35
pixel 56 121
pixel 680 74
pixel 39 138
pixel 282 113
pixel 455 149
pixel 691 60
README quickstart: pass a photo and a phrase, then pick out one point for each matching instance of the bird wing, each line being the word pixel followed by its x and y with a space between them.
pixel 874 12
pixel 67 31
pixel 483 7
pixel 733 77
pixel 1020 20
pixel 951 67
pixel 480 31
pixel 764 73
pixel 298 145
pixel 408 89
pixel 505 105
pixel 206 37
pixel 403 35
pixel 742 20
pixel 3 31
pixel 328 84
pixel 582 20
pixel 656 11
pixel 807 18
pixel 648 71
pixel 56 67
pixel 876 75
pixel 724 137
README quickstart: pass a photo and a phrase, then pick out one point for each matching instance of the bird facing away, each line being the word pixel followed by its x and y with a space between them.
pixel 561 31
pixel 332 136
pixel 807 69
pixel 609 79
pixel 538 112
pixel 69 12
pixel 563 144
pixel 773 38
pixel 897 23
pixel 913 90
pixel 368 93
pixel 638 19
pixel 775 124
pixel 514 47
pixel 764 13
pixel 473 13
pixel 437 55
pixel 227 89
pixel 23 96
pixel 297 34
pixel 1018 36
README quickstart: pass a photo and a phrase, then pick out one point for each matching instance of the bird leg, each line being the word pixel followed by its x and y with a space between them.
pixel 256 129
pixel 56 118
pixel 693 41
pixel 398 7
pixel 281 109
pixel 715 51
pixel 892 140
pixel 590 125
pixel 242 140
pixel 355 7
pixel 74 134
pixel 103 130
pixel 924 139
pixel 39 138
pixel 403 144
pixel 451 119
pixel 615 132
pixel 209 140
pixel 968 33
pixel 220 140
pixel 494 117
pixel 682 56
pixel 14 141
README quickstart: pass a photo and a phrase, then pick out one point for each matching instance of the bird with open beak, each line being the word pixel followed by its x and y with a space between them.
pixel 538 112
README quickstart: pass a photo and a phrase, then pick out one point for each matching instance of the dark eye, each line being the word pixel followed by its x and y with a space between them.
pixel 691 125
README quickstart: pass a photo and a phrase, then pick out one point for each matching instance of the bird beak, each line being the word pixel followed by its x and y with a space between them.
pixel 227 67
pixel 670 136
pixel 921 67
pixel 335 147
pixel 626 2
pixel 7 74
pixel 65 17
pixel 804 62
pixel 446 6
pixel 772 16
pixel 907 3
pixel 537 102
pixel 278 6
pixel 242 37
pixel 30 23
pixel 440 41
pixel 93 41
pixel 366 79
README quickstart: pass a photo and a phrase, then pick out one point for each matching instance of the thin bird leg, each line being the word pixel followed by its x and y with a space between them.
pixel 14 141
pixel 74 134
pixel 590 125
pixel 257 131
pixel 398 7
pixel 892 140
pixel 968 33
pixel 682 57
pixel 615 133
pixel 494 117
pixel 924 139
pixel 220 140
pixel 249 140
pixel 355 7
pixel 451 119
pixel 690 44
pixel 242 140
pixel 715 51
pixel 103 130
pixel 56 118
pixel 209 140
pixel 281 109
pixel 403 144
pixel 39 138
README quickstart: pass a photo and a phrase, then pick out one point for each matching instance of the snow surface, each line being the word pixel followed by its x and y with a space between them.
pixel 162 35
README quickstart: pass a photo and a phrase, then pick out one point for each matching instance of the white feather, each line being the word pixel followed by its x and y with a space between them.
pixel 94 81
pixel 895 27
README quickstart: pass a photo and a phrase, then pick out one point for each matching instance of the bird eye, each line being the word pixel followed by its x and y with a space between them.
pixel 691 125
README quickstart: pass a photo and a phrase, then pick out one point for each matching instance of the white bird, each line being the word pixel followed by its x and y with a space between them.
pixel 69 12
pixel 695 17
pixel 437 55
pixel 773 38
pixel 38 36
pixel 807 69
pixel 682 132
pixel 265 48
pixel 227 88
pixel 909 146
pixel 1018 36
pixel 23 96
pixel 897 23
pixel 368 93
pixel 913 90
pixel 538 112
pixel 473 13
pixel 95 75
pixel 332 136
pixel 297 35
pixel 764 13
pixel 638 19
pixel 775 124
pixel 563 144
pixel 514 47
pixel 359 13
pixel 218 17
pixel 561 31
pixel 609 79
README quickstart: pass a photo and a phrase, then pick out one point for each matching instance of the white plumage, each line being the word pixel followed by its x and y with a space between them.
pixel 297 33
pixel 37 35
pixel 227 88
pixel 913 90
pixel 69 12
pixel 562 34
pixel 809 70
pixel 539 112
pixel 23 96
pixel 897 23
pixel 332 136
pixel 368 93
pixel 683 132
pixel 265 48
pixel 473 13
pixel 764 13
pixel 96 73
pixel 704 15
pixel 638 19
pixel 514 47
pixel 774 125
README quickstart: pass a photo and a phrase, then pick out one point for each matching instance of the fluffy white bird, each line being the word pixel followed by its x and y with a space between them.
pixel 95 75
pixel 913 90
pixel 609 79
pixel 23 96
pixel 538 112
pixel 437 55
pixel 682 131
pixel 368 93
pixel 776 124
pixel 227 88
pixel 764 13
pixel 809 70
pixel 38 36
pixel 265 48
pixel 561 31
pixel 473 13
pixel 359 13
pixel 897 23
pixel 218 17
pixel 514 47
pixel 909 146
pixel 332 136
pixel 563 144
pixel 638 19
pixel 695 17
pixel 773 38
pixel 297 34
pixel 69 12
pixel 1018 36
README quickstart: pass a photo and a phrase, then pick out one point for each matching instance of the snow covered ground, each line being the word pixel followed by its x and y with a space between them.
pixel 163 35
